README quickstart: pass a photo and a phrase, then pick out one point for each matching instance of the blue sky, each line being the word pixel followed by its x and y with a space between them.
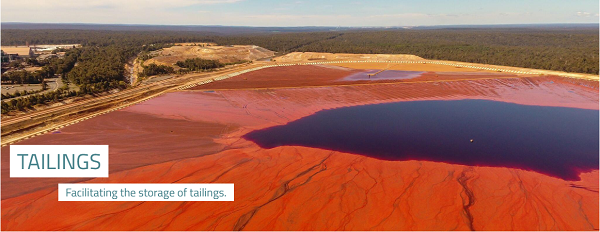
pixel 360 13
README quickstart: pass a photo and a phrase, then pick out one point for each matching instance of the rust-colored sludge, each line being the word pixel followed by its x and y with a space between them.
pixel 195 137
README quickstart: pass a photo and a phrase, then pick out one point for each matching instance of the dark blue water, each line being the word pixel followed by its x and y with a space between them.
pixel 555 141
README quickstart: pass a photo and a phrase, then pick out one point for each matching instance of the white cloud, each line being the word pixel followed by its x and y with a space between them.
pixel 116 4
pixel 403 15
pixel 110 11
pixel 583 14
pixel 284 13
pixel 295 17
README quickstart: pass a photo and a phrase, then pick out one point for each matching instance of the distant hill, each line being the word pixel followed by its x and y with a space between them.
pixel 231 30
pixel 561 26
pixel 226 30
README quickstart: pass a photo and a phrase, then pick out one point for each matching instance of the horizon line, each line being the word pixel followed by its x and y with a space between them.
pixel 218 25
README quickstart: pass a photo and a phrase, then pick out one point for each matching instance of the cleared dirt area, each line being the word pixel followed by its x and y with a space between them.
pixel 225 54
pixel 302 188
pixel 203 44
pixel 319 56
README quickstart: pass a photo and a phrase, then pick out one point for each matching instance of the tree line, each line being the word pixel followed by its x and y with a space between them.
pixel 32 100
pixel 571 50
pixel 154 69
pixel 189 65
pixel 23 92
pixel 199 64
pixel 24 77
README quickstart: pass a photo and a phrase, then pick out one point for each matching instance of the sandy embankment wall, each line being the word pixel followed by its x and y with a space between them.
pixel 318 56
pixel 527 70
pixel 321 57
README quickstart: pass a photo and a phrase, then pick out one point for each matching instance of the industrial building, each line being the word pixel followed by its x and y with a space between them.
pixel 10 53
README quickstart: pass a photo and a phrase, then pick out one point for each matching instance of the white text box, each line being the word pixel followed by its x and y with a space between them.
pixel 42 161
pixel 145 192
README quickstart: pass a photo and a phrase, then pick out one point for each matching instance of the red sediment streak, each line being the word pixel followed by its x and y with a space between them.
pixel 299 188
pixel 289 76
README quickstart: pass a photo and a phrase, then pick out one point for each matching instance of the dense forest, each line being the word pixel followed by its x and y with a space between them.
pixel 554 50
pixel 101 68
pixel 571 50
